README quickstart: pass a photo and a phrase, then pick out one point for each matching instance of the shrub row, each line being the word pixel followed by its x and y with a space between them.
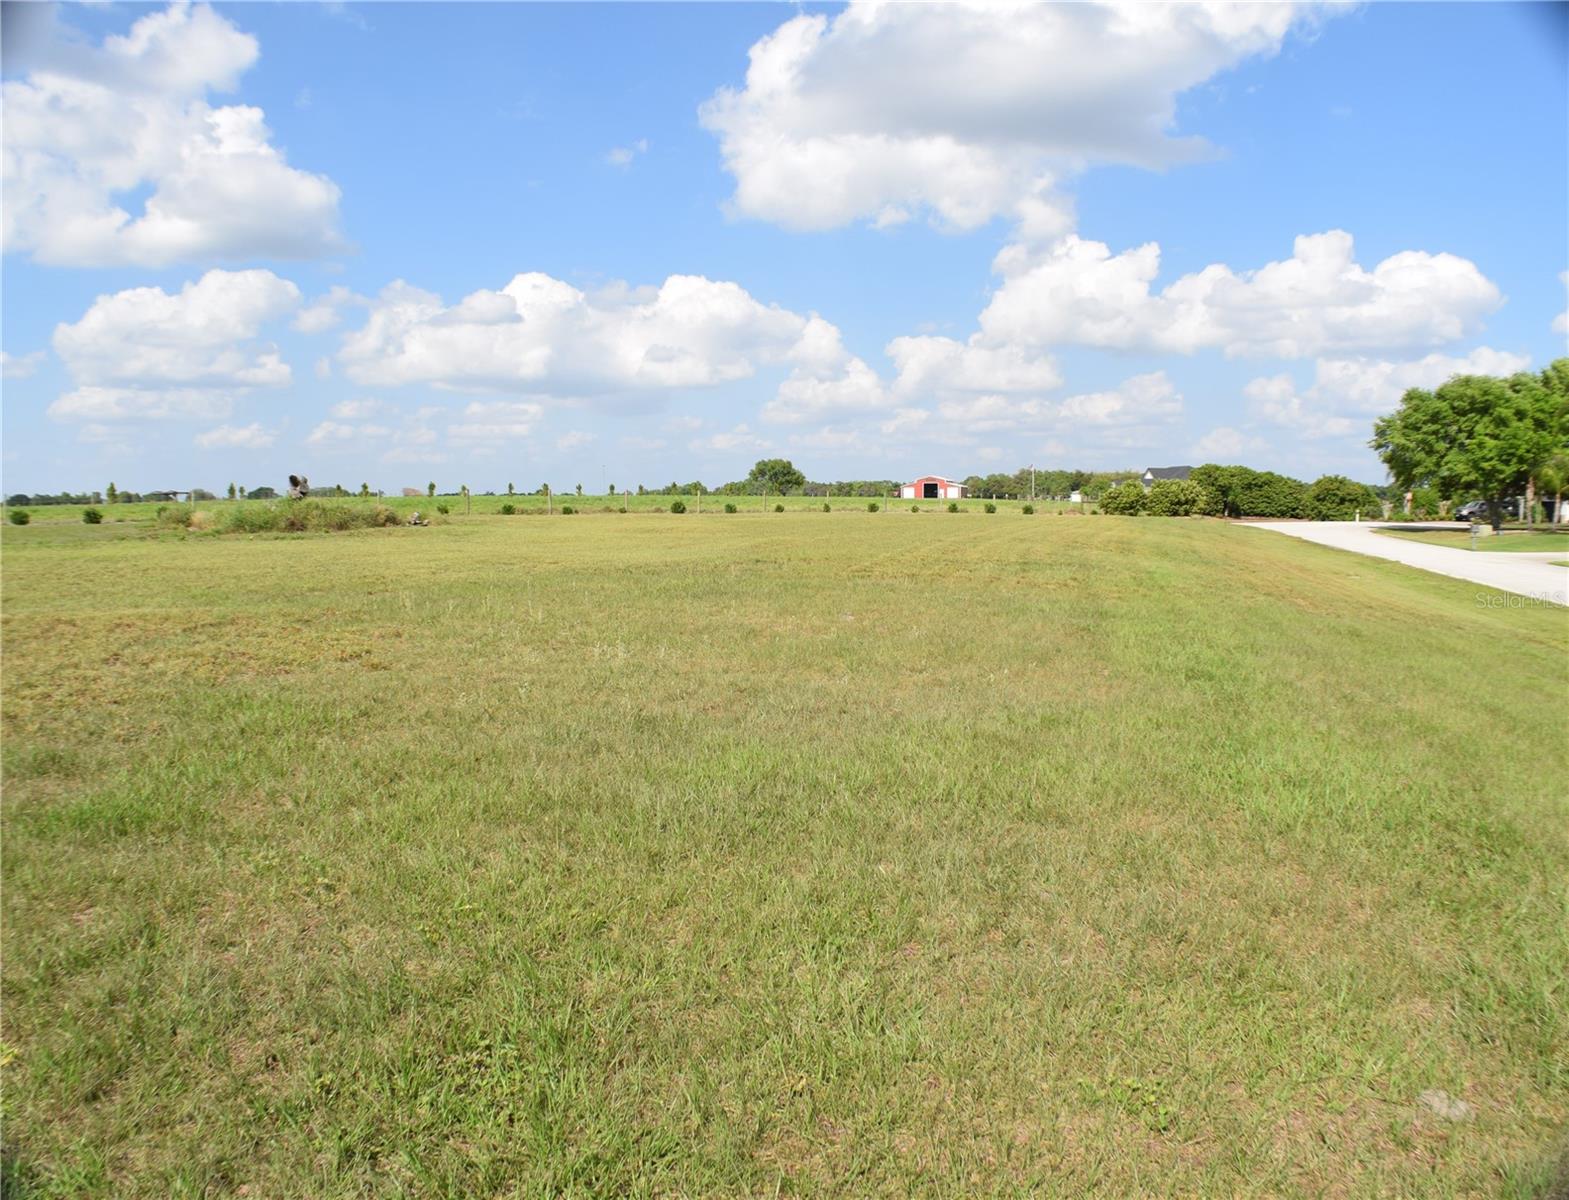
pixel 1240 492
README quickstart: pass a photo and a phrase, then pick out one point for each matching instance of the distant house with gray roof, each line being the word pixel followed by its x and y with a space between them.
pixel 1152 474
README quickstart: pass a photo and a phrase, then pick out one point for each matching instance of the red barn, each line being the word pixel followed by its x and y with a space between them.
pixel 933 487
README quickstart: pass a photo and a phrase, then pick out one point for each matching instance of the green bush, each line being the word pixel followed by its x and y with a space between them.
pixel 1028 510
pixel 20 516
pixel 730 508
pixel 1176 498
pixel 953 506
pixel 1336 498
pixel 567 510
pixel 678 506
pixel 779 508
pixel 508 510
pixel 91 516
pixel 990 507
pixel 1124 500
pixel 873 506
pixel 828 507
pixel 443 509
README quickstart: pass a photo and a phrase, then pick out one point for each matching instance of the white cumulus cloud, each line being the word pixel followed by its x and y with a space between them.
pixel 546 338
pixel 98 404
pixel 325 311
pixel 20 366
pixel 827 382
pixel 1320 299
pixel 967 111
pixel 88 126
pixel 1139 412
pixel 941 364
pixel 1347 393
pixel 739 438
pixel 357 408
pixel 1140 400
pixel 237 437
pixel 146 352
pixel 495 421
pixel 622 156
pixel 1224 443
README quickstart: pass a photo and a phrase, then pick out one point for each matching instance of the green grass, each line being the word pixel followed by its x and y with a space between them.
pixel 1511 541
pixel 836 855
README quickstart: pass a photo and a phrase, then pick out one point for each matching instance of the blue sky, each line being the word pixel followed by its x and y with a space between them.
pixel 516 243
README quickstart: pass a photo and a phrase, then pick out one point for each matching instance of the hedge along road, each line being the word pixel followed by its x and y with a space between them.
pixel 1524 575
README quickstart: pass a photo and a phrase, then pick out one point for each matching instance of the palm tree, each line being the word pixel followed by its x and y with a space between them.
pixel 1553 476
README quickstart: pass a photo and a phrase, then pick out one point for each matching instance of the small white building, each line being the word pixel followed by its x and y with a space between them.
pixel 933 487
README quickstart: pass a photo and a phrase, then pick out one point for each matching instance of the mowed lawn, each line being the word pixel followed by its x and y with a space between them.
pixel 818 854
pixel 1511 541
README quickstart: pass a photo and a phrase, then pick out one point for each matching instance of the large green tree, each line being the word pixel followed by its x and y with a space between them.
pixel 778 474
pixel 1474 436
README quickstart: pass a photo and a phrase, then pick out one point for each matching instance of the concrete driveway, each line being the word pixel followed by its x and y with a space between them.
pixel 1530 575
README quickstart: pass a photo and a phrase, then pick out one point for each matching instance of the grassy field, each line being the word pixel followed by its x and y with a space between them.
pixel 830 855
pixel 1511 541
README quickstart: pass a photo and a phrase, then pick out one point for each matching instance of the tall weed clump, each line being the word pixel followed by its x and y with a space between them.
pixel 174 516
pixel 285 516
